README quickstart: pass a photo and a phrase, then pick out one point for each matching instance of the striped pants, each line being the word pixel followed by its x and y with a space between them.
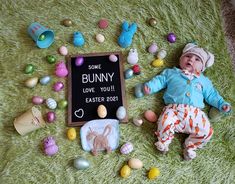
pixel 186 119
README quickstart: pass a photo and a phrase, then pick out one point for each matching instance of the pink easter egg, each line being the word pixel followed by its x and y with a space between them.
pixel 126 148
pixel 153 48
pixel 150 116
pixel 79 61
pixel 37 100
pixel 113 58
pixel 51 117
pixel 58 86
pixel 63 50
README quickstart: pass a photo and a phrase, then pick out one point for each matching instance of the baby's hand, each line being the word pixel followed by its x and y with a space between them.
pixel 226 108
pixel 146 90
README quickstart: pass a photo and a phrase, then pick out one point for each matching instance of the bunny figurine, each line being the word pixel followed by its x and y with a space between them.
pixel 132 57
pixel 125 38
pixel 50 147
pixel 61 70
pixel 78 39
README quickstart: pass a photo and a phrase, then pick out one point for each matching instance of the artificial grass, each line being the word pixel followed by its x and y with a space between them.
pixel 21 157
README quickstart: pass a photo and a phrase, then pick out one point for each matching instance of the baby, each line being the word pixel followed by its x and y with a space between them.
pixel 186 89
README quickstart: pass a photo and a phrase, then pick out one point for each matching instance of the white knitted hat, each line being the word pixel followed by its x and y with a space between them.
pixel 206 57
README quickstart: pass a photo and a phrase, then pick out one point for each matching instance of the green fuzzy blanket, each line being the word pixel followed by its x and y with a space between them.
pixel 21 157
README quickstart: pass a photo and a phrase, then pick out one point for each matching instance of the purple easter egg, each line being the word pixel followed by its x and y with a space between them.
pixel 171 38
pixel 58 86
pixel 51 117
pixel 79 61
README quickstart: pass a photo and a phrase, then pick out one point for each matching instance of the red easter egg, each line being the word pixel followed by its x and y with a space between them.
pixel 103 24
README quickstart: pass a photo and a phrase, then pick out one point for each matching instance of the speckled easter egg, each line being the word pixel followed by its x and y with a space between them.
pixel 45 80
pixel 113 58
pixel 135 163
pixel 150 116
pixel 63 50
pixel 81 163
pixel 126 148
pixel 100 38
pixel 153 173
pixel 71 134
pixel 161 54
pixel 102 111
pixel 51 103
pixel 103 23
pixel 153 48
pixel 121 113
pixel 31 82
pixel 125 171
pixel 37 100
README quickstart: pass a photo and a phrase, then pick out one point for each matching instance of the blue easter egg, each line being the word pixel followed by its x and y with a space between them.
pixel 81 163
pixel 45 80
pixel 121 113
pixel 128 74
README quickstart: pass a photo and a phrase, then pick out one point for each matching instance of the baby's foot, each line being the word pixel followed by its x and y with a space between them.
pixel 189 154
pixel 161 147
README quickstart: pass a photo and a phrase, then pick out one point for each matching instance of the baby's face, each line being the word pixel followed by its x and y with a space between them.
pixel 191 63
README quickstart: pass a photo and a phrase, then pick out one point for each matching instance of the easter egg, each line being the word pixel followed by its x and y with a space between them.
pixel 153 48
pixel 67 22
pixel 51 117
pixel 139 91
pixel 62 104
pixel 152 22
pixel 63 50
pixel 102 111
pixel 51 103
pixel 153 173
pixel 58 86
pixel 79 61
pixel 51 59
pixel 171 38
pixel 136 69
pixel 150 116
pixel 121 113
pixel 113 58
pixel 157 63
pixel 128 73
pixel 31 82
pixel 37 100
pixel 103 23
pixel 81 163
pixel 137 122
pixel 45 80
pixel 71 134
pixel 161 54
pixel 135 163
pixel 125 171
pixel 42 37
pixel 126 148
pixel 29 68
pixel 100 38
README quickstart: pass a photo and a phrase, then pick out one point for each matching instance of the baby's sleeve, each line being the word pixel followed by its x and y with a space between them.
pixel 212 96
pixel 158 82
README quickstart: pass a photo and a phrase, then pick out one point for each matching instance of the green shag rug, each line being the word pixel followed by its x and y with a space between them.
pixel 21 157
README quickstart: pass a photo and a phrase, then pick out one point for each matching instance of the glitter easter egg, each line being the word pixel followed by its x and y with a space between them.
pixel 103 23
pixel 51 117
pixel 51 103
pixel 126 148
pixel 171 38
pixel 79 61
pixel 58 86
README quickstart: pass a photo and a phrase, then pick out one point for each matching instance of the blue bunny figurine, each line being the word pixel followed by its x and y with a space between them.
pixel 125 38
pixel 78 39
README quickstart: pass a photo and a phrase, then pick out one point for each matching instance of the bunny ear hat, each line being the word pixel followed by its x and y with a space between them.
pixel 206 57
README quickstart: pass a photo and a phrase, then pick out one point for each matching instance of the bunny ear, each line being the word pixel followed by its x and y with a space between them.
pixel 125 26
pixel 188 47
pixel 210 59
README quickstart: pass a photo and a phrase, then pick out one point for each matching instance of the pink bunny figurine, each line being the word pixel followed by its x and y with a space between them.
pixel 61 70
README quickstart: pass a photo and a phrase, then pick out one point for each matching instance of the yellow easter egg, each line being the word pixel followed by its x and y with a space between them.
pixel 102 111
pixel 125 171
pixel 31 82
pixel 71 134
pixel 158 63
pixel 153 173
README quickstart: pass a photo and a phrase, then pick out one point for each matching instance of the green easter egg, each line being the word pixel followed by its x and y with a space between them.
pixel 42 37
pixel 62 104
pixel 29 69
pixel 51 59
